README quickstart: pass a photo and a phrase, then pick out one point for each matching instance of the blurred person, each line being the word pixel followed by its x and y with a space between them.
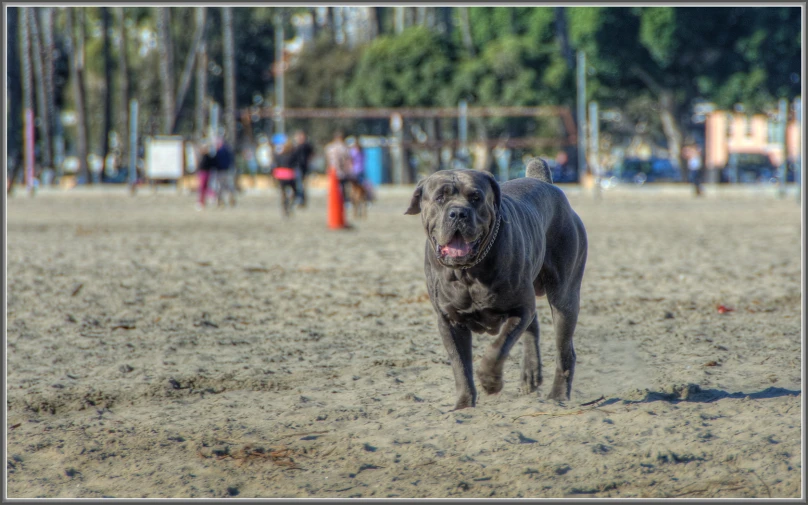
pixel 338 158
pixel 286 175
pixel 301 156
pixel 225 172
pixel 360 190
pixel 263 154
pixel 249 158
pixel 207 165
pixel 357 160
pixel 693 157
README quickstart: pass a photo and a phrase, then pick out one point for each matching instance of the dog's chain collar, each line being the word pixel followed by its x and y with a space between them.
pixel 488 247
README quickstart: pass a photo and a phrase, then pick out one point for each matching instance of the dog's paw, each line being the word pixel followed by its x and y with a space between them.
pixel 465 401
pixel 559 393
pixel 491 382
pixel 531 380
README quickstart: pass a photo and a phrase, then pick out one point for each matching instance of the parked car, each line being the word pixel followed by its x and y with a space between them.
pixel 749 167
pixel 639 171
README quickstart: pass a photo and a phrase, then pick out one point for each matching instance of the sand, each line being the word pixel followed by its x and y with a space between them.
pixel 156 351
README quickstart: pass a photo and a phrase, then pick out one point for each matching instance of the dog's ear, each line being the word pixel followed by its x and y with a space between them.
pixel 415 203
pixel 494 187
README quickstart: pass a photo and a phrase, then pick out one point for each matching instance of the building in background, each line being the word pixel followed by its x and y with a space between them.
pixel 728 133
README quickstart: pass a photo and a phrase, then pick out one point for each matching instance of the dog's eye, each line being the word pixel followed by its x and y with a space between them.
pixel 440 198
pixel 474 197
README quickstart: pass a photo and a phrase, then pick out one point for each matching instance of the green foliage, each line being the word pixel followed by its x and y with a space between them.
pixel 657 33
pixel 725 55
pixel 412 69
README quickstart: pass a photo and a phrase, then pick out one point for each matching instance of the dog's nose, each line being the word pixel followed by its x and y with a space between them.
pixel 458 213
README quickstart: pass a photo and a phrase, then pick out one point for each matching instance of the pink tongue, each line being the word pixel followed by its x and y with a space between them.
pixel 456 248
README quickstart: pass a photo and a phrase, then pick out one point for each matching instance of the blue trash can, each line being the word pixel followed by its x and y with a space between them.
pixel 372 149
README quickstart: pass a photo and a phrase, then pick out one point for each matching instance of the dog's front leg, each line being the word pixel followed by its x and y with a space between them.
pixel 457 340
pixel 490 372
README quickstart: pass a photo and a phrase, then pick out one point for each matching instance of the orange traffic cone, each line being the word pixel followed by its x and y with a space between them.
pixel 336 208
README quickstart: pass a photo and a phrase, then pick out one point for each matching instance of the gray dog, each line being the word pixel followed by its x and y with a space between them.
pixel 490 250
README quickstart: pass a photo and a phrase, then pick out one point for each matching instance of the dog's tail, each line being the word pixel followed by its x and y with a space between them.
pixel 537 168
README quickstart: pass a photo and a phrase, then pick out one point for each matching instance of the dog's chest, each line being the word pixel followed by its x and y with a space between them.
pixel 474 308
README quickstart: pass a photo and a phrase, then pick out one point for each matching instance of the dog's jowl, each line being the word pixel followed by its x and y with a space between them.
pixel 491 249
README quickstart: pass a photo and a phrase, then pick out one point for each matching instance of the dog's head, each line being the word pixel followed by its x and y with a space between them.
pixel 459 210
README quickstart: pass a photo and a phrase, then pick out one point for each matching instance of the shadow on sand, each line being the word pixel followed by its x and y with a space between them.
pixel 694 393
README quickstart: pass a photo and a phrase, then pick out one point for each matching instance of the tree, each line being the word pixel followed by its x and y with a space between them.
pixel 166 65
pixel 201 79
pixel 15 94
pixel 678 55
pixel 108 83
pixel 123 70
pixel 229 75
pixel 76 54
pixel 190 59
pixel 409 70
pixel 48 60
pixel 27 79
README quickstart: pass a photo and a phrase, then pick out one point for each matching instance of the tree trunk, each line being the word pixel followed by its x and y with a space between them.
pixel 15 93
pixel 27 85
pixel 75 41
pixel 468 43
pixel 229 76
pixel 41 100
pixel 409 16
pixel 667 116
pixel 420 16
pixel 379 15
pixel 49 49
pixel 563 38
pixel 108 84
pixel 444 21
pixel 465 30
pixel 185 79
pixel 166 70
pixel 123 70
pixel 399 20
pixel 201 89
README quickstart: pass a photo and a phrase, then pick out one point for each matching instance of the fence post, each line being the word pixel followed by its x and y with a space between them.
pixel 783 116
pixel 463 129
pixel 594 146
pixel 132 145
pixel 581 105
pixel 29 151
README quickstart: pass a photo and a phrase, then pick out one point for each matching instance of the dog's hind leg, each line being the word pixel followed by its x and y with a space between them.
pixel 565 317
pixel 531 360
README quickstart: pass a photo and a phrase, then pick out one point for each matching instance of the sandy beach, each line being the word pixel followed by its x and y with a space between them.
pixel 155 351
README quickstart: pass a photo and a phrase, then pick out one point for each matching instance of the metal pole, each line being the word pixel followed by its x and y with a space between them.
pixel 279 75
pixel 132 143
pixel 463 128
pixel 214 124
pixel 581 106
pixel 594 147
pixel 29 151
pixel 783 113
pixel 396 148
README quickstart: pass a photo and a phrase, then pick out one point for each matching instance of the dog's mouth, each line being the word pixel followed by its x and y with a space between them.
pixel 457 248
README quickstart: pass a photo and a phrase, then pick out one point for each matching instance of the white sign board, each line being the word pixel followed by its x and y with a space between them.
pixel 164 157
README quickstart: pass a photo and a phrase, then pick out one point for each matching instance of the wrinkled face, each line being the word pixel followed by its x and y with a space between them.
pixel 458 209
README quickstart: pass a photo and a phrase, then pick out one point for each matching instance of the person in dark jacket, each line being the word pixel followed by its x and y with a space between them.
pixel 301 156
pixel 286 175
pixel 225 172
